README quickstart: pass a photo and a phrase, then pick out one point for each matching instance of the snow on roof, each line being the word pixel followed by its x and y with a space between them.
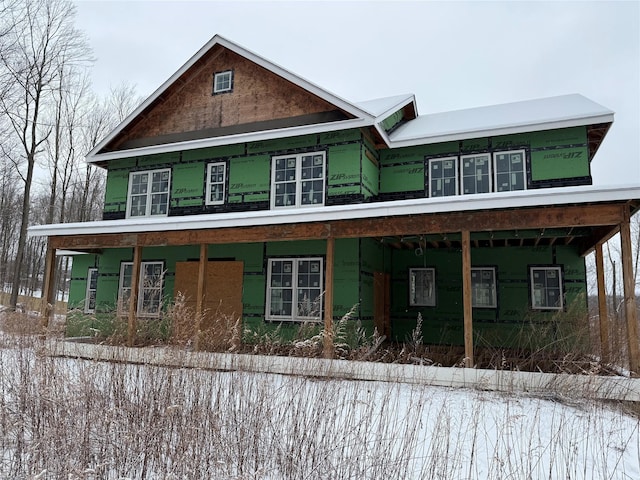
pixel 540 114
pixel 460 203
pixel 379 106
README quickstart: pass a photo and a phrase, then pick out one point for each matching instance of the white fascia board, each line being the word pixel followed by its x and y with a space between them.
pixel 506 130
pixel 217 39
pixel 232 139
pixel 397 107
pixel 459 203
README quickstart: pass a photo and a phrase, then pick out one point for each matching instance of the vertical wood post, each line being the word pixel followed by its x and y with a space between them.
pixel 630 308
pixel 467 299
pixel 603 315
pixel 133 298
pixel 48 289
pixel 202 288
pixel 328 300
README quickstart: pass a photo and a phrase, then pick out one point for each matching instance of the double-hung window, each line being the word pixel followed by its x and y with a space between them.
pixel 422 287
pixel 483 287
pixel 216 174
pixel 148 193
pixel 476 173
pixel 92 288
pixel 546 288
pixel 149 291
pixel 443 177
pixel 294 289
pixel 298 180
pixel 510 172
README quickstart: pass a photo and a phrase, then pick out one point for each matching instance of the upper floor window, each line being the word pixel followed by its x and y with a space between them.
pixel 483 287
pixel 476 173
pixel 294 289
pixel 422 287
pixel 149 291
pixel 509 170
pixel 223 81
pixel 546 288
pixel 148 193
pixel 92 288
pixel 216 173
pixel 298 180
pixel 443 177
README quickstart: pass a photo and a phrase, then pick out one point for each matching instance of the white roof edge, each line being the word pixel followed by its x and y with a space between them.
pixel 231 139
pixel 278 70
pixel 506 130
pixel 460 203
pixel 395 108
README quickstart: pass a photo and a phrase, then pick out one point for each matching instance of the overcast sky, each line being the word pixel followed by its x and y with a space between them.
pixel 451 55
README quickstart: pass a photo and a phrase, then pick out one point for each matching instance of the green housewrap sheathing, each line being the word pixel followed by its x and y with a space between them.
pixel 508 325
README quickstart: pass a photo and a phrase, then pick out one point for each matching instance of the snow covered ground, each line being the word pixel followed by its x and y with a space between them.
pixel 79 419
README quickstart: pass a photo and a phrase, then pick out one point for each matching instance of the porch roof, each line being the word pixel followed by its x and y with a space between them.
pixel 497 201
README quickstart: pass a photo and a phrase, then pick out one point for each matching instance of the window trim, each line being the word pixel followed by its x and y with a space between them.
pixel 123 310
pixel 88 290
pixel 209 184
pixel 494 165
pixel 298 180
pixel 432 300
pixel 490 173
pixel 149 193
pixel 294 291
pixel 216 75
pixel 545 268
pixel 456 179
pixel 494 299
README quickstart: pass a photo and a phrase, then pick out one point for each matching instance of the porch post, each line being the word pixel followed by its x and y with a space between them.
pixel 466 298
pixel 328 300
pixel 48 290
pixel 603 315
pixel 202 278
pixel 133 298
pixel 630 308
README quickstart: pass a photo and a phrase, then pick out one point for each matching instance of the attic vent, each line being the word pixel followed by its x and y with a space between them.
pixel 223 82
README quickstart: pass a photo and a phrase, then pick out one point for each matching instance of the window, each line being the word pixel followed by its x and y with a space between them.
pixel 476 174
pixel 215 183
pixel 422 287
pixel 483 287
pixel 223 82
pixel 92 287
pixel 294 290
pixel 509 171
pixel 443 174
pixel 148 193
pixel 150 289
pixel 546 288
pixel 298 180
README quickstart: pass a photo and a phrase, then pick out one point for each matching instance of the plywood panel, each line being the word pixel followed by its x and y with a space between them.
pixel 222 302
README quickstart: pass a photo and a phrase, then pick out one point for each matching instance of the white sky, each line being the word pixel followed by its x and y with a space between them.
pixel 451 55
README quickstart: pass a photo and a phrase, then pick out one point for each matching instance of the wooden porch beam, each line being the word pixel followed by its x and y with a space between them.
pixel 202 288
pixel 420 224
pixel 630 307
pixel 466 299
pixel 48 289
pixel 603 315
pixel 328 299
pixel 133 297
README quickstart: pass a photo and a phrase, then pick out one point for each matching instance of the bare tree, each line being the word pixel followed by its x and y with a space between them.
pixel 40 35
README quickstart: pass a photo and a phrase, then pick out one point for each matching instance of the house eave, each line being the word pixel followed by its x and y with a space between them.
pixel 229 140
pixel 458 204
pixel 501 130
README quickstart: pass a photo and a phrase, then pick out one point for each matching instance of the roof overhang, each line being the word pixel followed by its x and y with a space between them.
pixel 463 204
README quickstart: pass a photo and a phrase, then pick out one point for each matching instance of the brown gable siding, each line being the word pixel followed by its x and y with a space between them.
pixel 258 97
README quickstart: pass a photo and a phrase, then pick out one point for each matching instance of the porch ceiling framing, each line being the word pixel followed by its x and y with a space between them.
pixel 603 218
